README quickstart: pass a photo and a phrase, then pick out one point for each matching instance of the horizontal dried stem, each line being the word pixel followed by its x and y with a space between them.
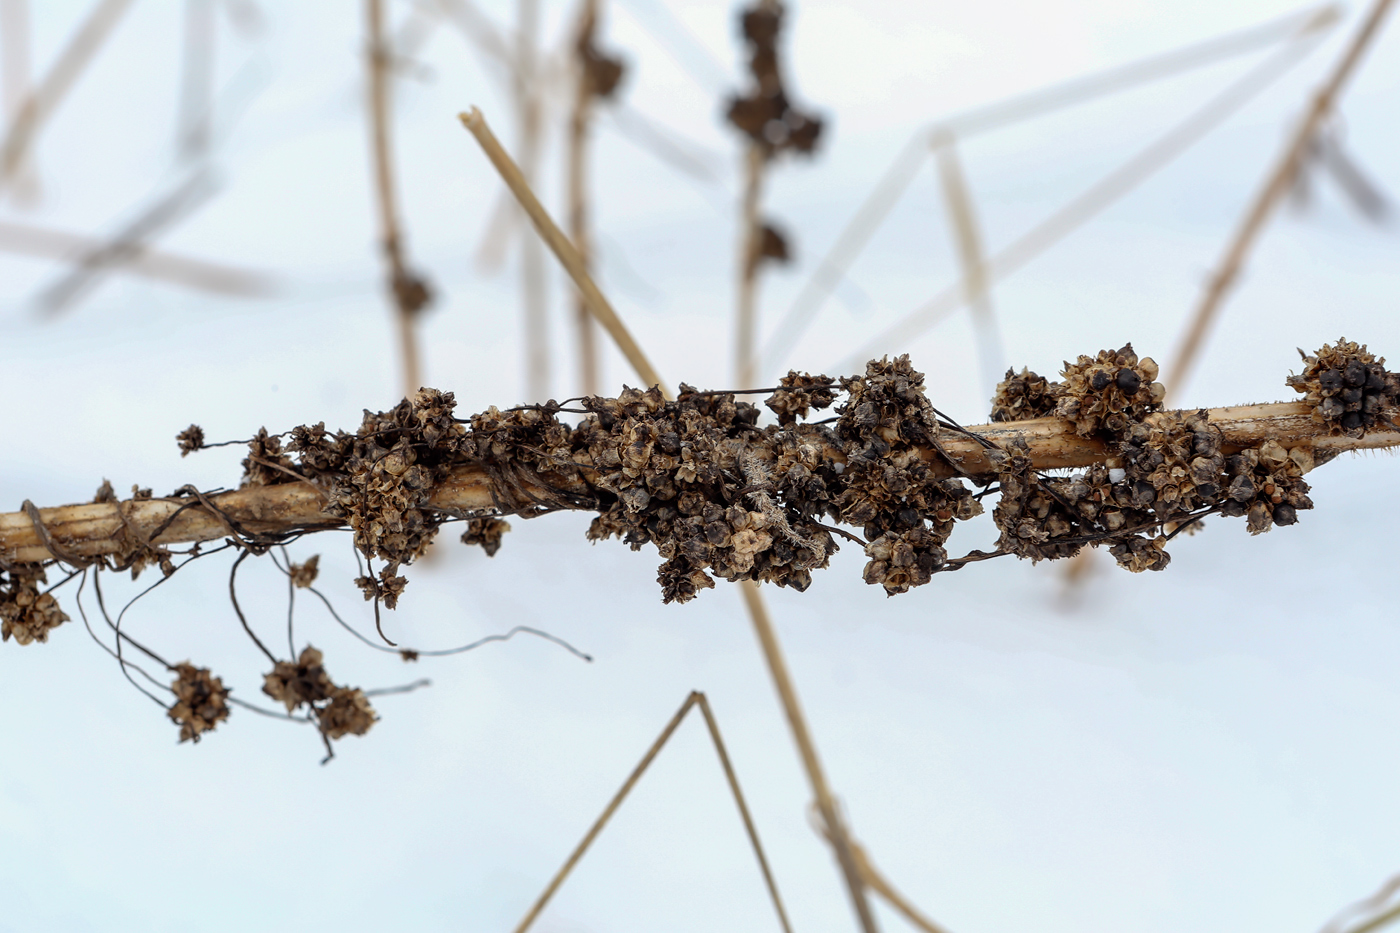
pixel 93 529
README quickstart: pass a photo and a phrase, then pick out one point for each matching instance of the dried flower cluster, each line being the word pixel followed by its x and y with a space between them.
pixel 201 701
pixel 487 533
pixel 907 512
pixel 799 395
pixel 26 613
pixel 303 575
pixel 766 115
pixel 1108 392
pixel 1022 397
pixel 339 710
pixel 1348 388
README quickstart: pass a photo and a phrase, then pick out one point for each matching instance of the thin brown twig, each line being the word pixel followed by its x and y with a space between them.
pixel 528 115
pixel 743 811
pixel 579 122
pixel 1276 185
pixel 962 217
pixel 807 750
pixel 563 250
pixel 750 235
pixel 694 698
pixel 408 291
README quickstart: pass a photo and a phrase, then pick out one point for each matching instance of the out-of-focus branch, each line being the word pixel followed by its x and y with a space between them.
pixel 141 260
pixel 409 291
pixel 49 93
pixel 1276 184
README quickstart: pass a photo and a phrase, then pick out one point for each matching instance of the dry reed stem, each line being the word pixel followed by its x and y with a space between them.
pixel 14 84
pixel 696 698
pixel 386 198
pixel 91 529
pixel 797 724
pixel 526 93
pixel 200 274
pixel 890 188
pixel 1095 199
pixel 563 250
pixel 750 235
pixel 44 98
pixel 579 122
pixel 962 217
pixel 197 84
pixel 881 886
pixel 1276 185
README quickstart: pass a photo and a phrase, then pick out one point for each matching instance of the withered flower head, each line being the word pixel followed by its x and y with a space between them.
pixel 1022 397
pixel 190 440
pixel 294 684
pixel 265 464
pixel 801 393
pixel 303 575
pixel 26 613
pixel 486 532
pixel 1348 389
pixel 105 492
pixel 348 713
pixel 1109 392
pixel 201 701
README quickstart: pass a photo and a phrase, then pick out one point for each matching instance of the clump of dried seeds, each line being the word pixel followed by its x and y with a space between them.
pixel 201 701
pixel 1348 389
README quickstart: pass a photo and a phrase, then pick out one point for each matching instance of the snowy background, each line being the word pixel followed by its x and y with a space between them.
pixel 1209 748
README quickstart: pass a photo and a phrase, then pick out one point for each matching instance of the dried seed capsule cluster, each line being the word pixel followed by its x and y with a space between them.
pixel 487 533
pixel 339 710
pixel 1348 388
pixel 1108 392
pixel 201 701
pixel 891 490
pixel 25 613
pixel 1020 397
pixel 800 394
pixel 765 114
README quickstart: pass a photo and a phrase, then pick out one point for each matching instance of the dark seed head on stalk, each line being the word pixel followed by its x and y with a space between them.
pixel 1348 389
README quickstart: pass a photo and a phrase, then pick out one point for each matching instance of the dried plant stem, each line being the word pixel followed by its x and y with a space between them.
pixel 563 250
pixel 696 698
pixel 532 267
pixel 962 217
pixel 62 246
pixel 881 886
pixel 197 84
pixel 797 724
pixel 49 93
pixel 750 237
pixel 1276 185
pixel 92 529
pixel 579 122
pixel 386 197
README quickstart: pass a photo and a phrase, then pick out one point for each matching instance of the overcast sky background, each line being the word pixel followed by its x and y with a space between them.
pixel 1208 748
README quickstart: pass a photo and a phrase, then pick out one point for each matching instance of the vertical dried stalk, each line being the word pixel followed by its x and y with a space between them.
pixel 976 287
pixel 1276 185
pixel 197 84
pixel 410 293
pixel 807 749
pixel 532 268
pixel 578 195
pixel 750 238
pixel 14 80
pixel 563 250
pixel 43 99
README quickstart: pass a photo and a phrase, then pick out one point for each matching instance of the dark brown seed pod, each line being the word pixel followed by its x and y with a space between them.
pixel 1348 389
pixel 190 440
pixel 303 682
pixel 487 533
pixel 348 713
